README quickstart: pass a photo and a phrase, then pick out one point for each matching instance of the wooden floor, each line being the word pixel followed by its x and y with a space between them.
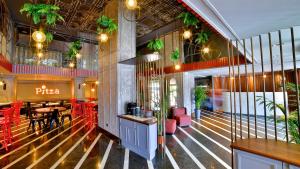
pixel 205 144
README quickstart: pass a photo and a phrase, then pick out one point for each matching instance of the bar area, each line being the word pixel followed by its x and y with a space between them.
pixel 147 84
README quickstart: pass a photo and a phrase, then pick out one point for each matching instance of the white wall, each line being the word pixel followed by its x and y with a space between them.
pixel 259 108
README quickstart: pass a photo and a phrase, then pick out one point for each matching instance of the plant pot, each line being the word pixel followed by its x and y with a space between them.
pixel 197 113
pixel 160 140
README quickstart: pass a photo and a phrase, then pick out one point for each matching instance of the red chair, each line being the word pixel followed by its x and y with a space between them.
pixel 170 126
pixel 181 117
pixel 6 127
pixel 76 108
pixel 16 114
pixel 89 113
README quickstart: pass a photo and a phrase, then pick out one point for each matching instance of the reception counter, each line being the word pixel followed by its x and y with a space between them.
pixel 139 135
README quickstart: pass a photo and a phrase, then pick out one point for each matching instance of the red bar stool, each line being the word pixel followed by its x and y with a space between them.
pixel 76 108
pixel 6 127
pixel 16 114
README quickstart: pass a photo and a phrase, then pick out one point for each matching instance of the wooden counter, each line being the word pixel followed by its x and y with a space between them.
pixel 276 150
pixel 143 120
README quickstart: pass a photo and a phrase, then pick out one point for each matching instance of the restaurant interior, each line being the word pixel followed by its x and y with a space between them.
pixel 137 84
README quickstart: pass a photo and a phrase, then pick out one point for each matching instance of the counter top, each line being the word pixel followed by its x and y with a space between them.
pixel 277 150
pixel 143 120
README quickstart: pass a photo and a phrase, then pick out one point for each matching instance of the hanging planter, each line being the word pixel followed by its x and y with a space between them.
pixel 42 12
pixel 106 25
pixel 156 45
pixel 175 55
pixel 188 19
pixel 74 49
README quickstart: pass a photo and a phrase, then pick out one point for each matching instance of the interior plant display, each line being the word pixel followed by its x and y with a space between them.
pixel 40 12
pixel 292 119
pixel 188 19
pixel 200 96
pixel 156 45
pixel 175 55
pixel 202 37
pixel 106 25
pixel 74 49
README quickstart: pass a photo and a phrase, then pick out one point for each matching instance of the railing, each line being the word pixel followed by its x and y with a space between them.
pixel 66 72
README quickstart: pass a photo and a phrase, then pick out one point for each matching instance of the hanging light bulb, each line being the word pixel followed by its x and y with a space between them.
pixel 131 4
pixel 71 65
pixel 39 36
pixel 205 50
pixel 83 84
pixel 177 67
pixel 43 86
pixel 103 37
pixel 78 55
pixel 187 34
pixel 40 54
pixel 93 90
pixel 39 45
pixel 1 83
pixel 97 82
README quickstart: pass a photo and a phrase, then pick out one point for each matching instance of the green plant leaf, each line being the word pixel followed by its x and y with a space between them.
pixel 202 37
pixel 175 55
pixel 155 45
pixel 200 96
pixel 49 37
pixel 106 25
pixel 189 19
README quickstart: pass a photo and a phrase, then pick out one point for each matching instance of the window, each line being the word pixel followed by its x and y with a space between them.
pixel 155 94
pixel 173 92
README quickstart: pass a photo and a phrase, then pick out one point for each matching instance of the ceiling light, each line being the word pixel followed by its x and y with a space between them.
pixel 97 82
pixel 93 90
pixel 78 55
pixel 39 45
pixel 1 83
pixel 71 65
pixel 205 50
pixel 177 67
pixel 131 4
pixel 43 86
pixel 39 36
pixel 40 54
pixel 187 34
pixel 103 37
pixel 83 84
pixel 265 76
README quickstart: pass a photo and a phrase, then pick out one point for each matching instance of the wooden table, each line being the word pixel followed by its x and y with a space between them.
pixel 49 109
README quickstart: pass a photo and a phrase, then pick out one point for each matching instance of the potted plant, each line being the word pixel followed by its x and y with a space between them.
pixel 40 12
pixel 200 96
pixel 156 45
pixel 175 55
pixel 106 25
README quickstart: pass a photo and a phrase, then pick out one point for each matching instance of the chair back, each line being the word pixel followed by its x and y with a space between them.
pixel 179 111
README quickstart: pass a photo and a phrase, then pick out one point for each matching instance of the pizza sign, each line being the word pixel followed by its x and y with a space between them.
pixel 45 91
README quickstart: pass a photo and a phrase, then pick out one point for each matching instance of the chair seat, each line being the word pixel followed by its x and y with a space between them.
pixel 170 126
pixel 183 120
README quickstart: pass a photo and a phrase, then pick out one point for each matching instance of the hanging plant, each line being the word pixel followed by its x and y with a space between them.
pixel 75 47
pixel 188 19
pixel 155 45
pixel 49 37
pixel 202 37
pixel 38 12
pixel 175 55
pixel 106 25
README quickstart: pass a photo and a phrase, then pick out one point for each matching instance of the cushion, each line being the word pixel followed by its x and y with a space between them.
pixel 170 126
pixel 179 111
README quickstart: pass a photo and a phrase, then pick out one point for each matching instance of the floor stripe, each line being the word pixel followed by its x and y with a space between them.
pixel 126 159
pixel 171 158
pixel 207 150
pixel 31 151
pixel 189 153
pixel 17 149
pixel 14 142
pixel 107 151
pixel 226 138
pixel 150 164
pixel 54 148
pixel 209 138
pixel 71 149
pixel 251 128
pixel 83 158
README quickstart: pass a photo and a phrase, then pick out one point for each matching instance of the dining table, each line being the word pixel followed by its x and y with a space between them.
pixel 49 110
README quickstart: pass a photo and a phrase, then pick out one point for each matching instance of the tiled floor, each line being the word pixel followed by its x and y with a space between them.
pixel 205 144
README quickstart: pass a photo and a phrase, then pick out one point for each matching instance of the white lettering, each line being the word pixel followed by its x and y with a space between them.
pixel 46 91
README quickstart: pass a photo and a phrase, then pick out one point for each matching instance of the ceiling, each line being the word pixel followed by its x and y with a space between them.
pixel 80 15
pixel 239 19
